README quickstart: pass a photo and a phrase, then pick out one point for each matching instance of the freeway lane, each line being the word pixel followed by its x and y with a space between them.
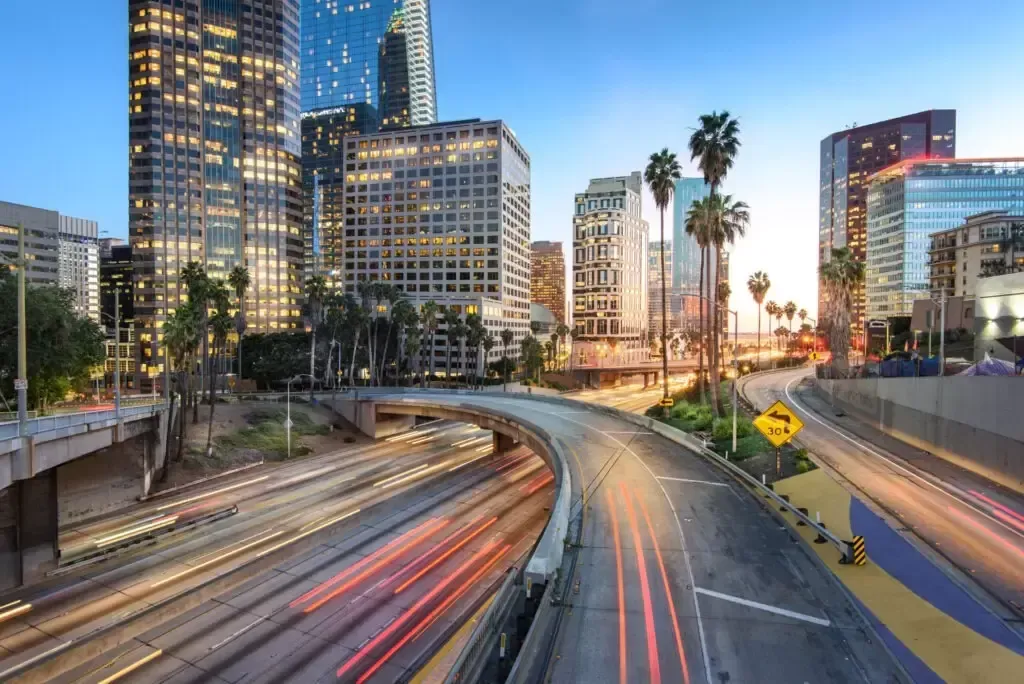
pixel 682 575
pixel 271 511
pixel 976 525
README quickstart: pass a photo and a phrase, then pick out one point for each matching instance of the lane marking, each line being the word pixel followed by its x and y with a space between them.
pixel 618 577
pixel 684 479
pixel 764 606
pixel 682 542
pixel 131 668
pixel 653 665
pixel 917 477
pixel 629 432
pixel 668 588
pixel 237 634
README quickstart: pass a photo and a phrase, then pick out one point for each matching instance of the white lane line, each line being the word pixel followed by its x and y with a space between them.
pixel 764 606
pixel 893 463
pixel 237 634
pixel 683 479
pixel 682 542
pixel 628 432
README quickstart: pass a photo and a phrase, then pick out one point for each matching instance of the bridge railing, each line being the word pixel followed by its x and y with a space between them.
pixel 35 426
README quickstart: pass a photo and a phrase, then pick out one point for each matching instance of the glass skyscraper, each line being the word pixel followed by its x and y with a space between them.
pixel 684 312
pixel 214 157
pixel 849 157
pixel 908 202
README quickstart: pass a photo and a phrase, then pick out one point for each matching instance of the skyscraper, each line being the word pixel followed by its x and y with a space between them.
pixel 910 201
pixel 609 257
pixel 547 277
pixel 685 256
pixel 849 157
pixel 214 157
pixel 78 264
pixel 378 54
pixel 654 287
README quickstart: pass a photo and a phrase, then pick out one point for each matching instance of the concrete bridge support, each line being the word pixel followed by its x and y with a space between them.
pixel 503 443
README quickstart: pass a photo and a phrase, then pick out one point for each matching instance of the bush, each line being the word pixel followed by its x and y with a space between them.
pixel 803 466
pixel 723 428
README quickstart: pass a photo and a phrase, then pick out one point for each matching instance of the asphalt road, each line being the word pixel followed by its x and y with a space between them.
pixel 972 523
pixel 444 517
pixel 683 576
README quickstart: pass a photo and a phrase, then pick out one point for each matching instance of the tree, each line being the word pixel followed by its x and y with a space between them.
pixel 534 327
pixel 698 226
pixel 219 297
pixel 451 321
pixel 403 317
pixel 507 336
pixel 488 345
pixel 239 280
pixel 197 283
pixel 790 309
pixel 316 293
pixel 562 330
pixel 758 286
pixel 474 337
pixel 554 350
pixel 461 334
pixel 531 356
pixel 716 143
pixel 356 316
pixel 840 276
pixel 413 341
pixel 801 314
pixel 181 338
pixel 574 335
pixel 428 319
pixel 221 323
pixel 771 308
pixel 661 175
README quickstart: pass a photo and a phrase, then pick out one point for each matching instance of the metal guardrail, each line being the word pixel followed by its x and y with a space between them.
pixel 486 630
pixel 35 426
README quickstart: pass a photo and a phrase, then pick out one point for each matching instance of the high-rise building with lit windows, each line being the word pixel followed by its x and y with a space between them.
pixel 609 258
pixel 547 277
pixel 848 158
pixel 214 157
pixel 654 281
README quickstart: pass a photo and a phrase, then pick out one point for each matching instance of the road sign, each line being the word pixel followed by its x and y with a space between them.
pixel 288 424
pixel 20 384
pixel 666 401
pixel 814 356
pixel 779 424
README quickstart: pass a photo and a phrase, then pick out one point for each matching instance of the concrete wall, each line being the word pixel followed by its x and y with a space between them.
pixel 102 482
pixel 975 422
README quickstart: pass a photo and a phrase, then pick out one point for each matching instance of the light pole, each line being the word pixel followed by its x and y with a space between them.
pixel 288 408
pixel 117 353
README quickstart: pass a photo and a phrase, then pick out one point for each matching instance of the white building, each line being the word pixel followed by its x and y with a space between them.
pixel 654 287
pixel 78 263
pixel 443 213
pixel 609 256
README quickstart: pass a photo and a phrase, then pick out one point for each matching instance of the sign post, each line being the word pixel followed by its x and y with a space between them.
pixel 779 425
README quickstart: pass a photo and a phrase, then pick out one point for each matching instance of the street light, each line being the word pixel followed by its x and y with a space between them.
pixel 288 407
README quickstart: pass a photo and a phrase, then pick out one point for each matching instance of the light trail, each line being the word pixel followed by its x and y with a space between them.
pixel 399 622
pixel 131 668
pixel 132 531
pixel 1009 514
pixel 217 559
pixel 383 482
pixel 466 463
pixel 422 440
pixel 990 534
pixel 222 490
pixel 485 449
pixel 535 484
pixel 14 609
pixel 297 537
pixel 412 434
pixel 418 475
pixel 426 554
pixel 437 525
pixel 653 665
pixel 515 460
pixel 362 563
pixel 620 583
pixel 445 556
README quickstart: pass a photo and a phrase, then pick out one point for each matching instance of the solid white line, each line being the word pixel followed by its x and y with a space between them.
pixel 236 634
pixel 683 479
pixel 871 451
pixel 682 541
pixel 764 606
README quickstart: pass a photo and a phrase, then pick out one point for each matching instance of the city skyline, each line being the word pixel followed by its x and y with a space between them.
pixel 785 105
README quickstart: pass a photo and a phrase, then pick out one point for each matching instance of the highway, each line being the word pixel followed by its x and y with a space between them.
pixel 432 520
pixel 975 525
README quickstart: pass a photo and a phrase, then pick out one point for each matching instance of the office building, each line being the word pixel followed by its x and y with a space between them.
pixel 984 245
pixel 214 158
pixel 685 302
pixel 547 277
pixel 61 250
pixel 910 201
pixel 116 285
pixel 654 287
pixel 848 158
pixel 443 213
pixel 609 256
pixel 377 54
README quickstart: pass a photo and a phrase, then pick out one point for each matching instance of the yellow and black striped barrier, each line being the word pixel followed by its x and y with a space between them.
pixel 855 552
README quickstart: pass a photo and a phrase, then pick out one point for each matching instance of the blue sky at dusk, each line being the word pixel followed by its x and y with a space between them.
pixel 591 88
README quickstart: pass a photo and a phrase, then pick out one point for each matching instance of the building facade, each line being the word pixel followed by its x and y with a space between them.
pixel 443 213
pixel 547 277
pixel 609 256
pixel 117 302
pixel 985 245
pixel 654 287
pixel 849 157
pixel 684 301
pixel 214 158
pixel 909 202
pixel 78 263
pixel 377 54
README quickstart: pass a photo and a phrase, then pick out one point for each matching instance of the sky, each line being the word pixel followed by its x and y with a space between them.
pixel 591 88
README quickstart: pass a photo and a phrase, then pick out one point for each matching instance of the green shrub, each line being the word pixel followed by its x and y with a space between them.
pixel 803 466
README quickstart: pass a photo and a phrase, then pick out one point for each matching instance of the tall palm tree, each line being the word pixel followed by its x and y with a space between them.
pixel 181 338
pixel 403 315
pixel 451 321
pixel 316 293
pixel 428 319
pixel 574 335
pixel 219 297
pixel 239 280
pixel 461 336
pixel 715 143
pixel 758 285
pixel 506 341
pixel 790 308
pixel 729 220
pixel 661 175
pixel 474 337
pixel 562 331
pixel 698 226
pixel 413 342
pixel 356 317
pixel 197 284
pixel 802 314
pixel 221 323
pixel 841 276
pixel 771 308
pixel 488 345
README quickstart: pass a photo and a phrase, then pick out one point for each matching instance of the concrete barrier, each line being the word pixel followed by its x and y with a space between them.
pixel 973 422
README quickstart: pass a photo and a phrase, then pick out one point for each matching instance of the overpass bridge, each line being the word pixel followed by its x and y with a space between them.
pixel 601 375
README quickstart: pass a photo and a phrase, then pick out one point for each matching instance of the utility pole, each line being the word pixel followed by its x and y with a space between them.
pixel 21 383
pixel 117 354
pixel 942 333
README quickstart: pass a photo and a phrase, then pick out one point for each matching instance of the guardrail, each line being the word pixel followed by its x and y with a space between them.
pixel 35 426
pixel 467 666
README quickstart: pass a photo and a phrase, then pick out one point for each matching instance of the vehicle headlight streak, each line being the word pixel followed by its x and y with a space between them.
pixel 230 488
pixel 154 524
pixel 13 610
pixel 216 559
pixel 445 556
pixel 415 475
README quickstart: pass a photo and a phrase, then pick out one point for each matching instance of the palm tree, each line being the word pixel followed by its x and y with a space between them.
pixel 221 324
pixel 841 276
pixel 461 336
pixel 403 316
pixel 506 341
pixel 554 350
pixel 428 318
pixel 239 280
pixel 562 330
pixel 413 341
pixel 729 220
pixel 770 308
pixel 802 314
pixel 488 345
pixel 451 321
pixel 181 338
pixel 574 335
pixel 356 318
pixel 698 226
pixel 758 285
pixel 197 283
pixel 661 175
pixel 715 142
pixel 219 297
pixel 316 293
pixel 790 309
pixel 474 336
